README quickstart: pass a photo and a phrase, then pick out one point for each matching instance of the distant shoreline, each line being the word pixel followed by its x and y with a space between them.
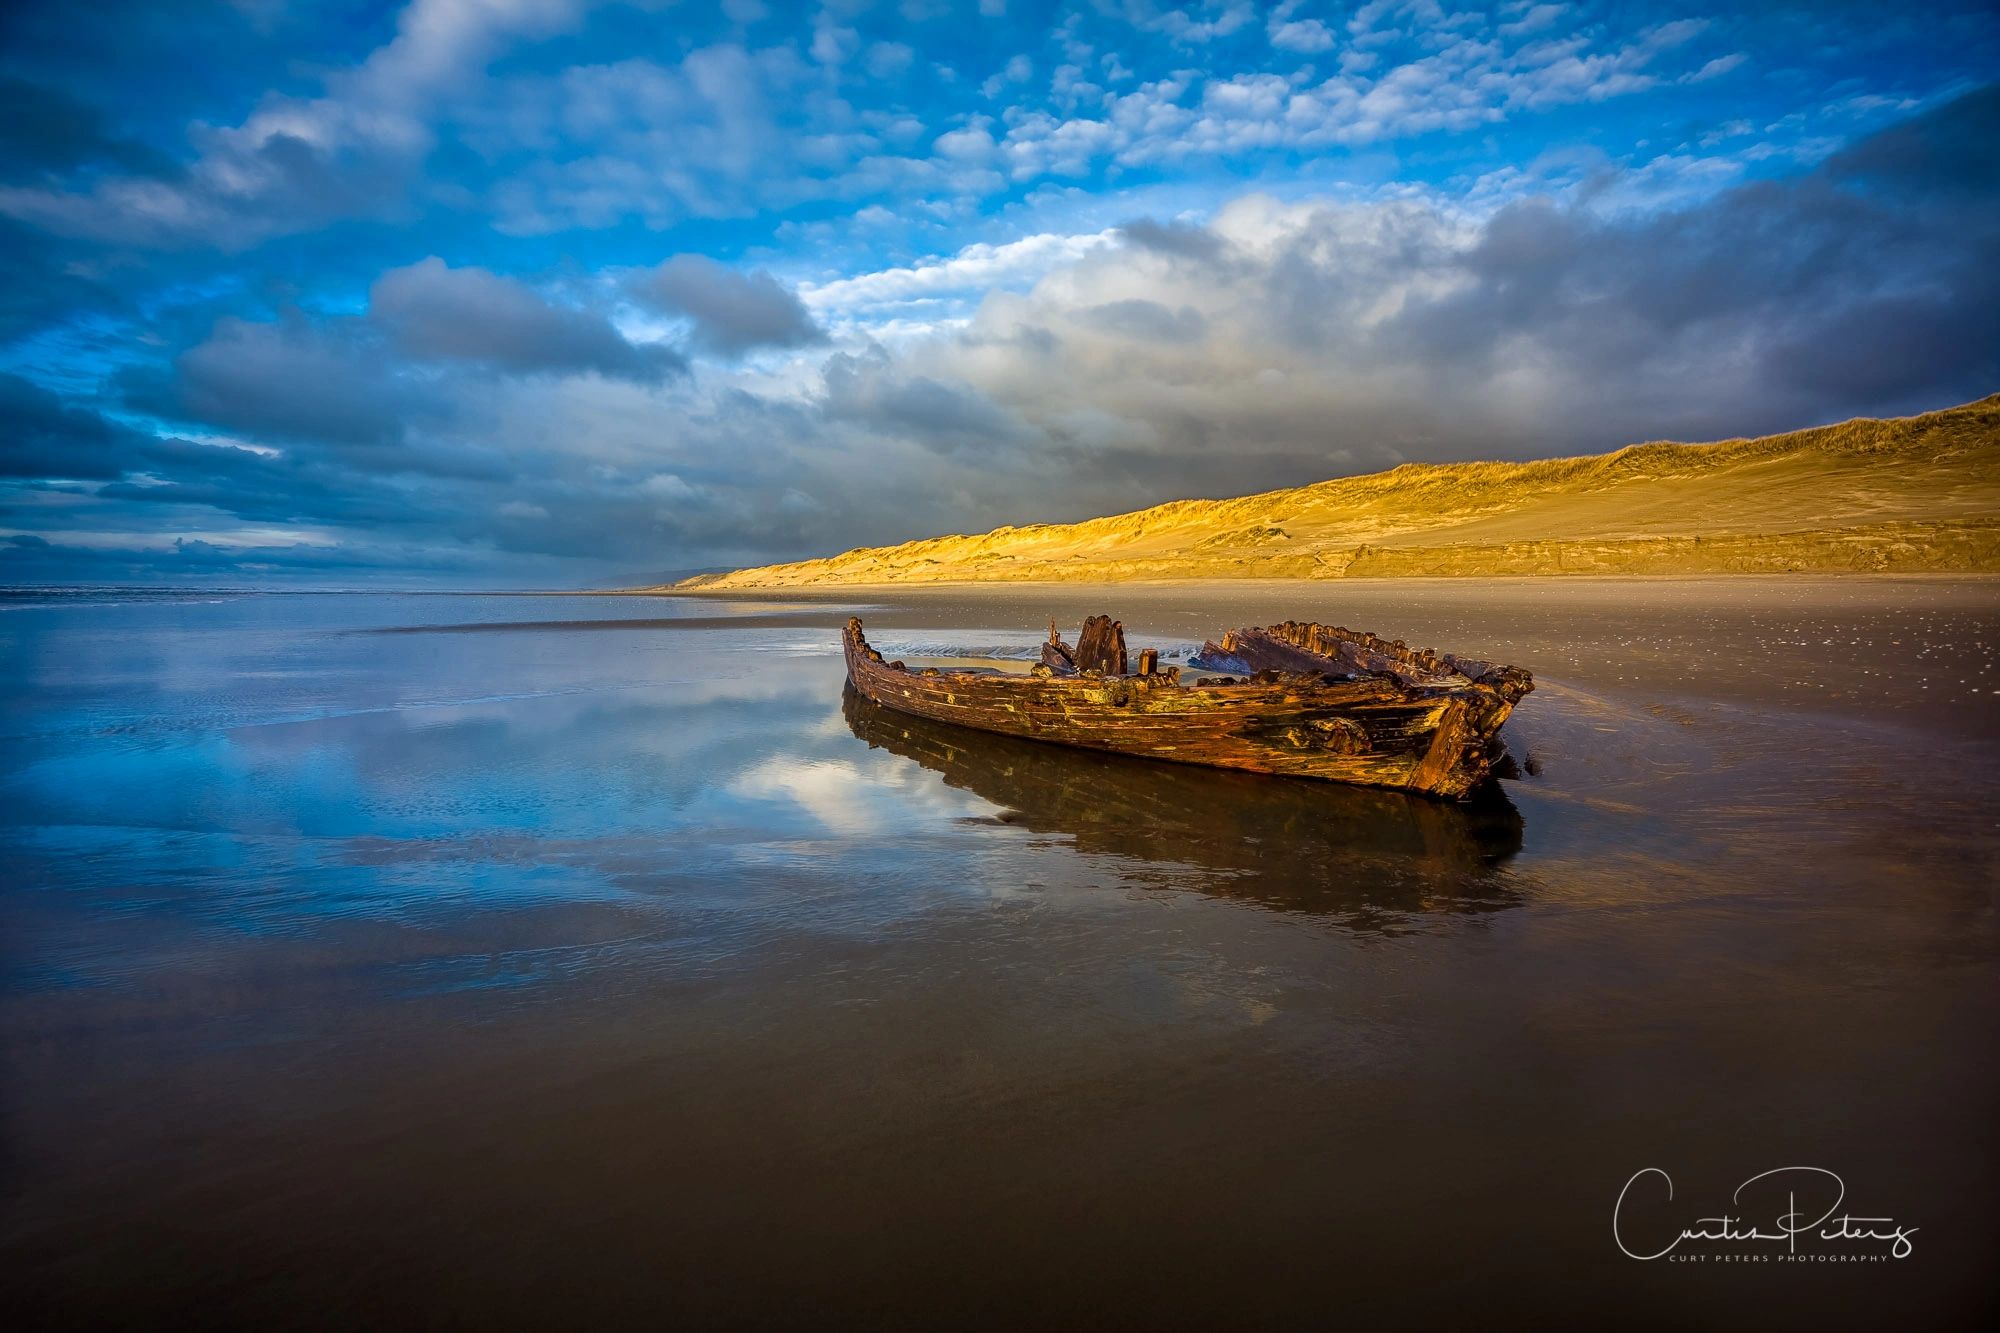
pixel 843 591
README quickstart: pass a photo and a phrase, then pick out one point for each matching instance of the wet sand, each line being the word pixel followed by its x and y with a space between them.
pixel 557 975
pixel 1917 647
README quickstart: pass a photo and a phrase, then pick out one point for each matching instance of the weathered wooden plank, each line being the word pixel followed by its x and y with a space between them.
pixel 1229 738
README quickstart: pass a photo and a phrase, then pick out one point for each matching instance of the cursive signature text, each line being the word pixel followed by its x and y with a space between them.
pixel 1792 1198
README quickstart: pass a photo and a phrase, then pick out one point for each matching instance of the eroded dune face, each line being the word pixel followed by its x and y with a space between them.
pixel 1914 493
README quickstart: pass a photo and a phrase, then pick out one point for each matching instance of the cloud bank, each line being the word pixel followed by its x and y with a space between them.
pixel 478 303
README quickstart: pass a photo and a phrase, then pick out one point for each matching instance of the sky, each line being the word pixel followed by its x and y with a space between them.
pixel 553 293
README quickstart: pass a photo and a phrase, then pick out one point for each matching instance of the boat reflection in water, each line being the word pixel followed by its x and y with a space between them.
pixel 1367 855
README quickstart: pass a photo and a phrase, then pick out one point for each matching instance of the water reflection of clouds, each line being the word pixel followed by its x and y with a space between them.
pixel 271 784
pixel 222 773
pixel 849 800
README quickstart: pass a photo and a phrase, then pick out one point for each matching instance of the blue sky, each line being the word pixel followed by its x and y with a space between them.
pixel 551 292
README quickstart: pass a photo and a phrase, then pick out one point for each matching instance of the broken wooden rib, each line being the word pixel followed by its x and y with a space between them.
pixel 1056 655
pixel 1320 702
pixel 1100 648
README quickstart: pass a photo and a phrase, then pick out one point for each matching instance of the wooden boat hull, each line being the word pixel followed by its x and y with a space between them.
pixel 1373 730
pixel 1308 847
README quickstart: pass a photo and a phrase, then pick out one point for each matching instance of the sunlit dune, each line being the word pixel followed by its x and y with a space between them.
pixel 1912 493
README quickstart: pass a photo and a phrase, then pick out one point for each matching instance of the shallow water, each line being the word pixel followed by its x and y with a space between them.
pixel 546 960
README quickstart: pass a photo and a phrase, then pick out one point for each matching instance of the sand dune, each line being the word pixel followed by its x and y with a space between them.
pixel 1913 493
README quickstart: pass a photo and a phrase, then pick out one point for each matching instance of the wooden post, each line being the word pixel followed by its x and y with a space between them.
pixel 1101 647
pixel 1056 655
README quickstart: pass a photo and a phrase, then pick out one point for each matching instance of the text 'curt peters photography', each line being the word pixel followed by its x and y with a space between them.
pixel 905 664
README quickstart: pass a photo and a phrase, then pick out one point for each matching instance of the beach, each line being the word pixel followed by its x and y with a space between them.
pixel 500 960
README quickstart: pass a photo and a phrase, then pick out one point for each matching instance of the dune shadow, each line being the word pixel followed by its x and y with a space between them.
pixel 1288 844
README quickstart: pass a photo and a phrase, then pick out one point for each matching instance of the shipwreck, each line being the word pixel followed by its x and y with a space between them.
pixel 1296 700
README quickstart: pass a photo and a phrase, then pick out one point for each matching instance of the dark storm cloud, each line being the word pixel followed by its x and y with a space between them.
pixel 41 437
pixel 942 416
pixel 435 312
pixel 1870 282
pixel 397 381
pixel 40 282
pixel 1950 150
pixel 44 440
pixel 45 130
pixel 1314 339
pixel 732 312
pixel 132 482
pixel 1146 320
pixel 289 380
pixel 264 488
pixel 36 560
pixel 1174 238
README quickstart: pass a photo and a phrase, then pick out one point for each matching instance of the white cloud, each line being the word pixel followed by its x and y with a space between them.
pixel 1464 82
pixel 1307 36
pixel 833 44
pixel 1191 23
pixel 273 172
pixel 667 486
pixel 1304 35
pixel 728 131
pixel 1018 69
pixel 886 60
pixel 975 269
pixel 1536 19
pixel 970 144
pixel 1717 67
